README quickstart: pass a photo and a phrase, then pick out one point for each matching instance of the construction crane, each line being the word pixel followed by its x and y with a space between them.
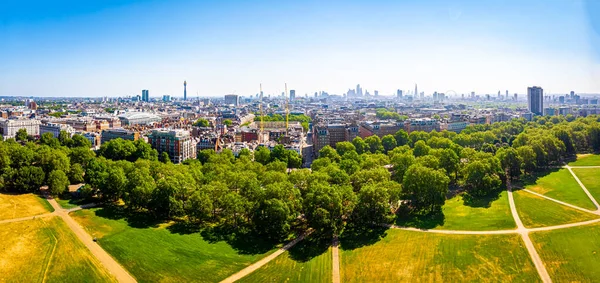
pixel 262 126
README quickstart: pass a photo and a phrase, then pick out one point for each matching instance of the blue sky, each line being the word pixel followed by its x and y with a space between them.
pixel 118 47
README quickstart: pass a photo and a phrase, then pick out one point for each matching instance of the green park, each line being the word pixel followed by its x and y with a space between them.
pixel 511 201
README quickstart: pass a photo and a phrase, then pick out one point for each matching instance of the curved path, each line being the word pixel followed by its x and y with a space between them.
pixel 107 261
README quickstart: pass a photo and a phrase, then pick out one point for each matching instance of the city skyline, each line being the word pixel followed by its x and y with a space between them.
pixel 117 48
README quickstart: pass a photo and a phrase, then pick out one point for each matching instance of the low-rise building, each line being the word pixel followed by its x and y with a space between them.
pixel 111 134
pixel 56 128
pixel 177 143
pixel 9 127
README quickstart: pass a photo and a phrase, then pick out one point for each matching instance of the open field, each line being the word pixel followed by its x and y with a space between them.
pixel 45 250
pixel 590 177
pixel 156 254
pixel 307 261
pixel 22 205
pixel 407 256
pixel 570 255
pixel 586 160
pixel 536 211
pixel 562 186
pixel 458 214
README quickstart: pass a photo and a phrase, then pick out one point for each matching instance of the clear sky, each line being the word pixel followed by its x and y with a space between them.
pixel 119 47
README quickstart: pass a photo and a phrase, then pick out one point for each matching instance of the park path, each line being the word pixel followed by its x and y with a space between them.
pixel 597 212
pixel 253 267
pixel 581 184
pixel 107 261
pixel 28 218
pixel 335 253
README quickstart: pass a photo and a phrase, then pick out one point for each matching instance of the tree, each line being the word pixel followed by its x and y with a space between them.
pixel 164 157
pixel 374 144
pixel 114 186
pixel 21 135
pixel 294 159
pixel 76 174
pixel 480 178
pixel 324 208
pixel 528 158
pixel 58 182
pixel 401 162
pixel 81 155
pixel 344 147
pixel 450 162
pixel 205 154
pixel 363 177
pixel 360 145
pixel 401 137
pixel 65 139
pixel 510 161
pixel 279 153
pixel 49 140
pixel 80 141
pixel 245 152
pixel 388 142
pixel 373 206
pixel 329 152
pixel 425 188
pixel 262 155
pixel 227 122
pixel 199 207
pixel 201 123
pixel 25 179
pixel 421 148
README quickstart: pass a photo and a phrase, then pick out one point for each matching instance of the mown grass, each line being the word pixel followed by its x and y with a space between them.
pixel 158 253
pixel 488 213
pixel 562 186
pixel 570 255
pixel 22 205
pixel 586 160
pixel 407 256
pixel 536 211
pixel 590 177
pixel 45 250
pixel 308 261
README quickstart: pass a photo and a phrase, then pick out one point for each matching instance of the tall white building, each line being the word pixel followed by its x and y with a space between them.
pixel 9 127
pixel 535 100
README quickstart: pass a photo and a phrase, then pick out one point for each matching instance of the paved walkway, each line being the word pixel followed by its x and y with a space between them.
pixel 581 184
pixel 335 253
pixel 242 273
pixel 107 261
pixel 563 203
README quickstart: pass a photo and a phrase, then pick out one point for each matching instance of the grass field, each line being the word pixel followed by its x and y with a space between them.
pixel 570 255
pixel 562 186
pixel 45 250
pixel 536 211
pixel 587 160
pixel 407 256
pixel 480 215
pixel 23 205
pixel 307 261
pixel 590 177
pixel 155 254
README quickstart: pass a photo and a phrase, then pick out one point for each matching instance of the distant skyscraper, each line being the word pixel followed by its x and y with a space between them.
pixel 232 99
pixel 535 100
pixel 516 97
pixel 292 94
pixel 399 93
pixel 359 91
pixel 416 92
pixel 507 95
pixel 184 90
pixel 145 95
pixel 376 92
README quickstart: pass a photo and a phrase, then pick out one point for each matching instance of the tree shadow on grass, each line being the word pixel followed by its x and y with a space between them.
pixel 481 201
pixel 134 219
pixel 355 236
pixel 420 220
pixel 309 248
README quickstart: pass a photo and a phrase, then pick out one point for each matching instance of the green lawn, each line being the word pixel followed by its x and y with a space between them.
pixel 536 211
pixel 586 160
pixel 307 261
pixel 570 255
pixel 407 256
pixel 45 250
pixel 458 214
pixel 562 186
pixel 590 177
pixel 156 254
pixel 71 203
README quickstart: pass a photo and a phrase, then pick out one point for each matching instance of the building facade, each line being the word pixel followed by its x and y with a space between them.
pixel 111 134
pixel 9 127
pixel 535 100
pixel 177 143
pixel 55 129
pixel 232 99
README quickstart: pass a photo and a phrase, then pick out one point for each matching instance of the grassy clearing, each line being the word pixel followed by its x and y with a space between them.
pixel 162 253
pixel 22 205
pixel 45 250
pixel 536 211
pixel 308 261
pixel 407 256
pixel 562 186
pixel 586 160
pixel 492 213
pixel 590 177
pixel 570 255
